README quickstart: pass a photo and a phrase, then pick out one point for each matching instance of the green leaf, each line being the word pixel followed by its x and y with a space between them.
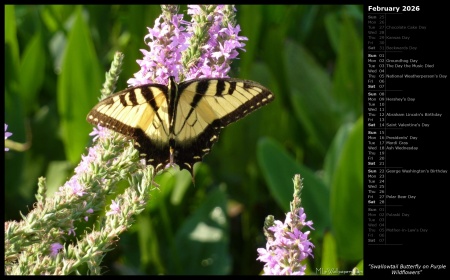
pixel 332 27
pixel 348 77
pixel 250 19
pixel 32 71
pixel 329 255
pixel 334 153
pixel 346 197
pixel 310 89
pixel 78 88
pixel 182 183
pixel 279 168
pixel 11 44
pixel 148 244
pixel 359 269
pixel 201 243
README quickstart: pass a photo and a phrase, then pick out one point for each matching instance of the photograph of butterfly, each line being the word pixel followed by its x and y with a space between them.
pixel 178 123
pixel 305 61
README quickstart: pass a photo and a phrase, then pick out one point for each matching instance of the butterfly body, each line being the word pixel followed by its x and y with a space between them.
pixel 178 123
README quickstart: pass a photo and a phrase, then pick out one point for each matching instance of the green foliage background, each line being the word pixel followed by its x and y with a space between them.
pixel 309 56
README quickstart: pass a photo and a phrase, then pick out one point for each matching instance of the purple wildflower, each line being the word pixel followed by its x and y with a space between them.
pixel 202 48
pixel 87 160
pixel 71 231
pixel 194 9
pixel 300 216
pixel 167 40
pixel 115 208
pixel 75 187
pixel 7 134
pixel 221 46
pixel 89 211
pixel 55 248
pixel 288 247
pixel 99 132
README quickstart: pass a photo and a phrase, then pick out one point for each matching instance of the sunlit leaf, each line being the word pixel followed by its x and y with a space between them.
pixel 78 89
pixel 201 243
pixel 347 197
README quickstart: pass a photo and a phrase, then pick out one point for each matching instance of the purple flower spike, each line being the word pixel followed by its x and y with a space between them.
pixel 166 40
pixel 287 246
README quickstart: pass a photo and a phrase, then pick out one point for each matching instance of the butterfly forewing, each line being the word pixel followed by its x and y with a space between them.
pixel 138 112
pixel 207 105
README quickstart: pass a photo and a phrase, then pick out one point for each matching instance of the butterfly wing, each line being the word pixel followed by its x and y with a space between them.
pixel 205 106
pixel 141 113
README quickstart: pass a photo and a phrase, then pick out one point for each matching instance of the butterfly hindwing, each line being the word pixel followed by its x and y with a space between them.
pixel 179 123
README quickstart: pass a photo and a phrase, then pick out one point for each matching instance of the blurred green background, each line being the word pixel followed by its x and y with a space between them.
pixel 310 56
